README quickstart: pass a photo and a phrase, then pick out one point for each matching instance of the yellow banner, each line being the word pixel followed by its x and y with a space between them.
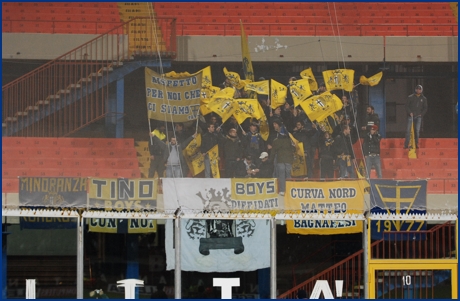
pixel 342 197
pixel 247 63
pixel 261 87
pixel 214 160
pixel 412 147
pixel 339 79
pixel 299 166
pixel 235 79
pixel 193 157
pixel 371 81
pixel 308 74
pixel 300 90
pixel 112 225
pixel 252 194
pixel 264 129
pixel 176 98
pixel 278 94
pixel 254 189
pixel 320 106
pixel 122 194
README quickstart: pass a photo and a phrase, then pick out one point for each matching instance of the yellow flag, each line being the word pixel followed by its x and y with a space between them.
pixel 299 166
pixel 320 106
pixel 308 74
pixel 278 94
pixel 214 160
pixel 247 63
pixel 300 90
pixel 234 78
pixel 206 77
pixel 263 123
pixel 371 81
pixel 412 153
pixel 174 74
pixel 339 79
pixel 193 157
pixel 222 107
pixel 325 125
pixel 246 108
pixel 261 87
pixel 206 95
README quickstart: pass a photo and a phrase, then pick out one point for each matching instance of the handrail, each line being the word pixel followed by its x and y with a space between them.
pixel 416 244
pixel 69 92
pixel 339 271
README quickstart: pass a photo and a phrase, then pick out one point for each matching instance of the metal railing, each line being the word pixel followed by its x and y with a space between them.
pixel 322 258
pixel 71 91
pixel 436 243
pixel 350 270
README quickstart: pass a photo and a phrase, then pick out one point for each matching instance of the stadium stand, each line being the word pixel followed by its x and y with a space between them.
pixel 95 18
pixel 68 157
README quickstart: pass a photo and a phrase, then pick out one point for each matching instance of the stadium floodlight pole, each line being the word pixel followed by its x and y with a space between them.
pixel 177 267
pixel 273 258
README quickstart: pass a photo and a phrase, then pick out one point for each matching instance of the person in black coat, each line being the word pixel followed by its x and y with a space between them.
pixel 326 156
pixel 233 152
pixel 246 168
pixel 208 141
pixel 265 167
pixel 343 150
pixel 371 151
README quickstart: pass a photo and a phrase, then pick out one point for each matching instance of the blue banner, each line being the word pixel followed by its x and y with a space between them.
pixel 32 222
pixel 398 197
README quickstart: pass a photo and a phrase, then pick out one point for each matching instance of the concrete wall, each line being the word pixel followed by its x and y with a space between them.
pixel 263 48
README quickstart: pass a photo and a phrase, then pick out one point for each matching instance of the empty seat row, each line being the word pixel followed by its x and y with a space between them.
pixel 37 162
pixel 67 152
pixel 67 142
pixel 58 172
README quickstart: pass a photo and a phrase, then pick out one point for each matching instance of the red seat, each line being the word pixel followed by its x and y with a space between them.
pixel 10 185
pixel 435 186
pixel 451 186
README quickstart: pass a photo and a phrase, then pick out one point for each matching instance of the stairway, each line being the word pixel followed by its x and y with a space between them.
pixel 72 91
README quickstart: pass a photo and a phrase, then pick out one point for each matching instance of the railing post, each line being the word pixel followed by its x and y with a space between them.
pixel 366 247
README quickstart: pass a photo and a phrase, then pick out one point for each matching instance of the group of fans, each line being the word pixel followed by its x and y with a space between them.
pixel 244 153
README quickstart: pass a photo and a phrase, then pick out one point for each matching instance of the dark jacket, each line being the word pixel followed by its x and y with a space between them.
pixel 326 148
pixel 344 145
pixel 253 144
pixel 417 105
pixel 241 169
pixel 157 149
pixel 208 140
pixel 265 169
pixel 232 147
pixel 283 149
pixel 372 119
pixel 371 144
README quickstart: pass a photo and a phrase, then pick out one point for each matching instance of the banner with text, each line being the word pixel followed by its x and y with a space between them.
pixel 343 197
pixel 35 222
pixel 221 194
pixel 113 225
pixel 398 197
pixel 122 194
pixel 52 192
pixel 172 98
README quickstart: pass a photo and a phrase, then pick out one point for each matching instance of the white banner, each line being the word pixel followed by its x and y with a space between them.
pixel 225 194
pixel 196 194
pixel 220 245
